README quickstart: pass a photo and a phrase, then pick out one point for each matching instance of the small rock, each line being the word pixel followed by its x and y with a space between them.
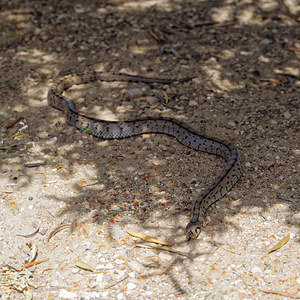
pixel 134 93
pixel 42 134
pixel 210 99
pixel 137 267
pixel 43 230
pixel 193 103
pixel 99 277
pixel 120 296
pixel 64 294
pixel 151 100
pixel 287 115
pixel 265 41
pixel 77 277
pixel 232 123
pixel 256 269
pixel 183 97
pixel 165 257
pixel 131 286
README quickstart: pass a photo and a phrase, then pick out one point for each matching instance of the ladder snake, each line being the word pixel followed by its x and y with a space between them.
pixel 185 135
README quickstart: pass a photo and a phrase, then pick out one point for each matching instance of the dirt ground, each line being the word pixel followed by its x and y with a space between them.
pixel 67 198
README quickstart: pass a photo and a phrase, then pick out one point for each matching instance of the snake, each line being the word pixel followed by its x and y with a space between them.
pixel 185 135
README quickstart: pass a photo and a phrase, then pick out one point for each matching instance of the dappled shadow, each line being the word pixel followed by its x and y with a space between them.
pixel 244 60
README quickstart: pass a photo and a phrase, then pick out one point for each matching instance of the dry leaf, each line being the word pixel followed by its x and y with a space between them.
pixel 83 265
pixel 281 243
pixel 166 97
pixel 33 251
pixel 146 238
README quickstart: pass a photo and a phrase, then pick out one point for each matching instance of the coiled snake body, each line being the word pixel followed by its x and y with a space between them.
pixel 186 136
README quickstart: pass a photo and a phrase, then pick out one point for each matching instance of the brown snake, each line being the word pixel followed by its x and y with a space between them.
pixel 186 136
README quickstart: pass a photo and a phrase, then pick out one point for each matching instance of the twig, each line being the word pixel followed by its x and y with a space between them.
pixel 11 124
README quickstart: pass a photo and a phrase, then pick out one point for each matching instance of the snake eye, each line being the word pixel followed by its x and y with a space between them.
pixel 197 229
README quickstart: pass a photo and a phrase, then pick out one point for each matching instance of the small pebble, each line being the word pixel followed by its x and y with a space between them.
pixel 131 286
pixel 193 103
pixel 265 42
pixel 232 123
pixel 64 294
pixel 137 267
pixel 287 115
pixel 165 257
pixel 134 93
pixel 99 277
pixel 256 269
pixel 77 277
pixel 43 230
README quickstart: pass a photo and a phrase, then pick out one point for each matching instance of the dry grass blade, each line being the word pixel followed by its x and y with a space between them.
pixel 163 248
pixel 4 191
pixel 116 282
pixel 293 296
pixel 269 81
pixel 280 244
pixel 30 234
pixel 146 238
pixel 219 246
pixel 34 263
pixel 18 280
pixel 57 229
pixel 166 97
pixel 154 35
pixel 294 49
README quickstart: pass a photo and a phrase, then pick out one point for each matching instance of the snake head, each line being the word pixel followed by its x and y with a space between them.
pixel 192 230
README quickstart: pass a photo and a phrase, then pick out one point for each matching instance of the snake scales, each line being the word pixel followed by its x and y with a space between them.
pixel 186 136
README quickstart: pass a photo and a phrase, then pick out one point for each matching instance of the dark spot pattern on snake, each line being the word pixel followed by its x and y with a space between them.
pixel 186 136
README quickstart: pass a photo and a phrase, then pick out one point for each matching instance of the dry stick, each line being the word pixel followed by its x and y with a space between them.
pixel 11 124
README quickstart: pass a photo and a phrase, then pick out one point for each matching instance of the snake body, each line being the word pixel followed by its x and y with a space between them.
pixel 185 135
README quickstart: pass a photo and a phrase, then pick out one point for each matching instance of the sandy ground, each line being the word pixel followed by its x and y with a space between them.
pixel 244 57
